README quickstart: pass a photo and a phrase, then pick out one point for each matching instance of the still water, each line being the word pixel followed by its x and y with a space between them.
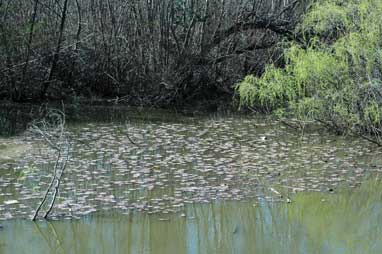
pixel 348 222
pixel 203 184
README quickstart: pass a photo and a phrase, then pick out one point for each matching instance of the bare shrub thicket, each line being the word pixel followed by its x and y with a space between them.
pixel 143 51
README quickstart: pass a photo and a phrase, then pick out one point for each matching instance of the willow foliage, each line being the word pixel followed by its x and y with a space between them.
pixel 335 75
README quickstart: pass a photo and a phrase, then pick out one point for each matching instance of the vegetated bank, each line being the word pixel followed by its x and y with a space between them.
pixel 332 72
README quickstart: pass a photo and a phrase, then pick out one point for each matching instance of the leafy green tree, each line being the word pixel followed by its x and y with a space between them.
pixel 332 73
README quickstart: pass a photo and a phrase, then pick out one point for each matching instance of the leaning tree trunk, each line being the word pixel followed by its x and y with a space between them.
pixel 30 40
pixel 56 53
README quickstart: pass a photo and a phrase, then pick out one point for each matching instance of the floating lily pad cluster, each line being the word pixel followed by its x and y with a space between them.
pixel 160 167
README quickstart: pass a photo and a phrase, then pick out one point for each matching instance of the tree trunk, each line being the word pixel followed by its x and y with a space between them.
pixel 56 53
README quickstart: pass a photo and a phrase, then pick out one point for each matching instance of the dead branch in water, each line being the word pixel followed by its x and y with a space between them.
pixel 54 121
pixel 48 189
pixel 58 181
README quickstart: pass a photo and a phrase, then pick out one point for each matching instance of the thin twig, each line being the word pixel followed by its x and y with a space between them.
pixel 45 136
pixel 131 141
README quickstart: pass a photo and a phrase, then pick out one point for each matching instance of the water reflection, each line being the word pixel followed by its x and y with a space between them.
pixel 349 222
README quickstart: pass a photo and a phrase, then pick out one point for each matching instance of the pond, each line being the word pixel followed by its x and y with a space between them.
pixel 167 183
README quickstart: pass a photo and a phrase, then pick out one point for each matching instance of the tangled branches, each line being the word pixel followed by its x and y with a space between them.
pixel 52 130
